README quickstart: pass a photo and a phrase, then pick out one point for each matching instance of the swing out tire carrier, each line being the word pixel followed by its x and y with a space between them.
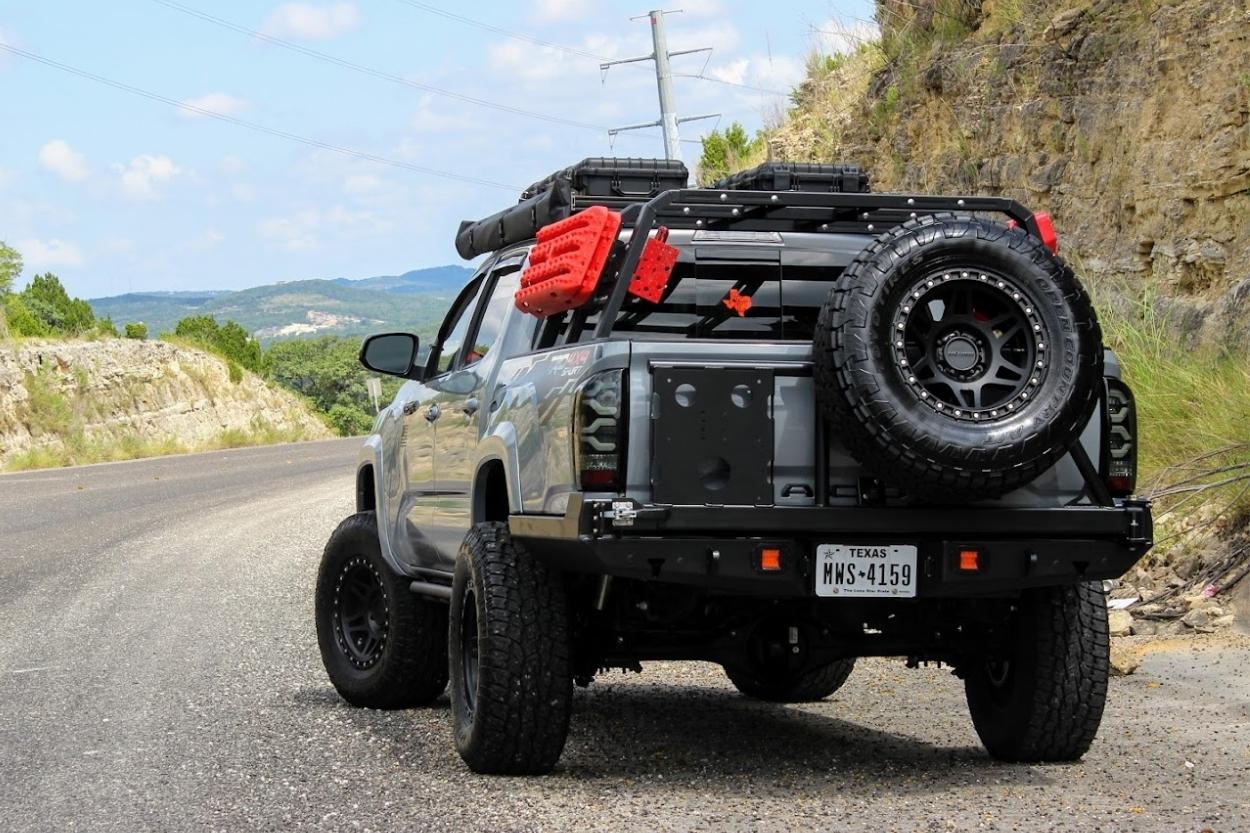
pixel 779 424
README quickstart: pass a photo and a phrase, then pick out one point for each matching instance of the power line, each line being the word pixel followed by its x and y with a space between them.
pixel 259 128
pixel 377 73
pixel 499 30
pixel 570 50
pixel 715 80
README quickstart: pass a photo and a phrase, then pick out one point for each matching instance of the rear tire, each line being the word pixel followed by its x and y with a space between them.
pixel 1043 699
pixel 382 646
pixel 511 668
pixel 807 687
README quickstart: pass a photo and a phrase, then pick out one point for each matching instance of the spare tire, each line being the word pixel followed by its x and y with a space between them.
pixel 957 358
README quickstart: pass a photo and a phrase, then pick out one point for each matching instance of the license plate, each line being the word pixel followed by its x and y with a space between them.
pixel 865 570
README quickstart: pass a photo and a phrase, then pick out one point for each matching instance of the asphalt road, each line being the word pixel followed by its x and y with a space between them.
pixel 159 672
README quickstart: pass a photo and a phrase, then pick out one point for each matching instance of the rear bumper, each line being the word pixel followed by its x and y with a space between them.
pixel 715 547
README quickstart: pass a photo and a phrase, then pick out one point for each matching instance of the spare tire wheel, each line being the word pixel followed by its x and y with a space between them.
pixel 957 358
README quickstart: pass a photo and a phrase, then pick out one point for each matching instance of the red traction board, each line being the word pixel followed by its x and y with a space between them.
pixel 565 267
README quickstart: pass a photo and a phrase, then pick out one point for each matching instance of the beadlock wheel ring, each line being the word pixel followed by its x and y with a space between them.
pixel 361 613
pixel 969 344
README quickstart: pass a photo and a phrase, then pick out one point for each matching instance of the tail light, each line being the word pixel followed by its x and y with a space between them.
pixel 1120 468
pixel 599 429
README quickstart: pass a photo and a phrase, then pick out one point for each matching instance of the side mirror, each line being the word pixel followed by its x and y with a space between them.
pixel 394 354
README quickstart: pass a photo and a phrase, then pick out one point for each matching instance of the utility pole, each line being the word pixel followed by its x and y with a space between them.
pixel 669 120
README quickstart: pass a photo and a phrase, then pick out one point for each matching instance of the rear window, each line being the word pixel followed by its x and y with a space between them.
pixel 717 299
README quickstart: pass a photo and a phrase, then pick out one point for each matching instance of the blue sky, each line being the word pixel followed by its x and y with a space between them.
pixel 115 192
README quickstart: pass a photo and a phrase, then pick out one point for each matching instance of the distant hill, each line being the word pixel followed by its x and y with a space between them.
pixel 414 301
pixel 436 279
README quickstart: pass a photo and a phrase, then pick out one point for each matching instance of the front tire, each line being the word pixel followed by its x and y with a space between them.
pixel 1042 699
pixel 382 646
pixel 509 649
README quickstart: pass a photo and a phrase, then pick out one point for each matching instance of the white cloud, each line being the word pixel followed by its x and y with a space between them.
pixel 231 164
pixel 362 184
pixel 49 254
pixel 295 233
pixel 838 36
pixel 142 176
pixel 7 37
pixel 222 103
pixel 307 21
pixel 560 11
pixel 58 157
pixel 304 230
pixel 243 191
pixel 210 239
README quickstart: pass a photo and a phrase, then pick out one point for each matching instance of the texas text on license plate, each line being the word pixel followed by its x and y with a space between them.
pixel 844 570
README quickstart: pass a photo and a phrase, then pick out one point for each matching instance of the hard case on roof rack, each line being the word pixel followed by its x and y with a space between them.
pixel 618 182
pixel 600 176
pixel 798 176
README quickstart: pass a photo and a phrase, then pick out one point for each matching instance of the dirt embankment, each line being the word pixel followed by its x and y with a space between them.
pixel 1128 121
pixel 78 401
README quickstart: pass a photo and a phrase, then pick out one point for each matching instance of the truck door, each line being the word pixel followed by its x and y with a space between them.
pixel 464 400
pixel 422 417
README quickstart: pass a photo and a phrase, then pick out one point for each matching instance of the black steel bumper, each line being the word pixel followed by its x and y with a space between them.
pixel 716 547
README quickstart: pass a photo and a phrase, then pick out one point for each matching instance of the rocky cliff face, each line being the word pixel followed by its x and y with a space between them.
pixel 1128 120
pixel 55 394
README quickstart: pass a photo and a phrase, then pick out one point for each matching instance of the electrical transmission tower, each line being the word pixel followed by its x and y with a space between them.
pixel 664 80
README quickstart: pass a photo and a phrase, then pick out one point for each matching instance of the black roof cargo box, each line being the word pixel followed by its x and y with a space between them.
pixel 552 199
pixel 798 176
pixel 601 176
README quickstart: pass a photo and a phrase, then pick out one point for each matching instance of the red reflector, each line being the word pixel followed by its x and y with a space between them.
pixel 969 561
pixel 1120 486
pixel 599 479
pixel 1046 228
pixel 564 268
pixel 770 559
pixel 654 269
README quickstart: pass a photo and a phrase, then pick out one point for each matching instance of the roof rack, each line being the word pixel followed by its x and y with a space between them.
pixel 645 193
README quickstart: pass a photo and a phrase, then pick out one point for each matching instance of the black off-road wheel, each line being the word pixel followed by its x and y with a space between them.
pixel 957 358
pixel 383 647
pixel 509 648
pixel 1042 699
pixel 805 687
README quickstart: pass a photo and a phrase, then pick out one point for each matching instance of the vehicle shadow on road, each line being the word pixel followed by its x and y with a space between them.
pixel 682 731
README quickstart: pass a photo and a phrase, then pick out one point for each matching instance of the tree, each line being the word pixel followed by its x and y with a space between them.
pixel 48 301
pixel 136 330
pixel 229 340
pixel 724 153
pixel 10 267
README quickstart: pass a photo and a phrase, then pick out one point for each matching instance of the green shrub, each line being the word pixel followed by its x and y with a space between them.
pixel 48 301
pixel 229 340
pixel 23 322
pixel 348 421
pixel 136 330
pixel 236 372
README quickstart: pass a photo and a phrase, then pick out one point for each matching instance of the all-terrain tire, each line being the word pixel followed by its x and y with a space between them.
pixel 1046 701
pixel 806 687
pixel 383 646
pixel 509 647
pixel 957 358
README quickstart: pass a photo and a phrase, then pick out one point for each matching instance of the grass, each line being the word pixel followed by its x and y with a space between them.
pixel 1191 401
pixel 76 451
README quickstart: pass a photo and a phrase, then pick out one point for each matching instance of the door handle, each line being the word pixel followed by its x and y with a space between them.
pixel 410 408
pixel 433 412
pixel 471 406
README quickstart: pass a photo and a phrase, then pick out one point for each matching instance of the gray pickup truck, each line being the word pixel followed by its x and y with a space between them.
pixel 775 424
